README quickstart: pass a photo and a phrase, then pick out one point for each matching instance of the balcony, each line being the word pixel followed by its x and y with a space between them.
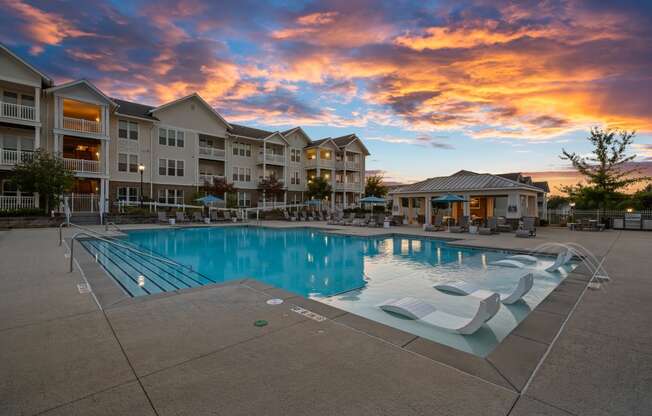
pixel 17 111
pixel 322 163
pixel 14 157
pixel 346 187
pixel 82 165
pixel 349 165
pixel 206 178
pixel 211 153
pixel 12 202
pixel 272 158
pixel 81 125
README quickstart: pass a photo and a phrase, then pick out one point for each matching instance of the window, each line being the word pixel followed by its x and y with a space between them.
pixel 27 100
pixel 171 137
pixel 127 193
pixel 10 97
pixel 127 162
pixel 241 174
pixel 170 196
pixel 9 189
pixel 235 149
pixel 295 155
pixel 170 167
pixel 244 200
pixel 127 130
pixel 235 174
pixel 241 149
pixel 294 179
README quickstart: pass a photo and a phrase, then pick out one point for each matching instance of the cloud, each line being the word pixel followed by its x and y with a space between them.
pixel 425 141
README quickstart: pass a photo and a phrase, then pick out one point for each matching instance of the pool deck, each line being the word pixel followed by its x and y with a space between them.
pixel 197 352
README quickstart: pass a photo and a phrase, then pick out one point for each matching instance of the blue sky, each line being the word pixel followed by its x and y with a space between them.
pixel 431 87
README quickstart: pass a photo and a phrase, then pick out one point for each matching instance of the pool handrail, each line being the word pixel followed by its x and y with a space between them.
pixel 115 243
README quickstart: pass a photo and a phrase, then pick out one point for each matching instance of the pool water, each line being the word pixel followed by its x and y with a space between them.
pixel 355 274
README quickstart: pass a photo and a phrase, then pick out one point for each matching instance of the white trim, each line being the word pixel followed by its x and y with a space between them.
pixel 193 95
pixel 30 67
pixel 84 82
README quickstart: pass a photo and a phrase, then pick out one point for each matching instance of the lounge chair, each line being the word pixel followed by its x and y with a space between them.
pixel 227 216
pixel 197 217
pixel 418 309
pixel 502 225
pixel 182 217
pixel 508 263
pixel 524 285
pixel 350 220
pixel 490 228
pixel 213 216
pixel 527 229
pixel 462 227
pixel 241 216
pixel 562 258
pixel 163 217
pixel 523 258
pixel 287 216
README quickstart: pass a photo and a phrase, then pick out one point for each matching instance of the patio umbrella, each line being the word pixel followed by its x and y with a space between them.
pixel 209 199
pixel 373 200
pixel 448 198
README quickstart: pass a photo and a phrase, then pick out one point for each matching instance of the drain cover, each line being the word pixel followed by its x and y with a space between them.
pixel 83 288
pixel 260 322
pixel 275 301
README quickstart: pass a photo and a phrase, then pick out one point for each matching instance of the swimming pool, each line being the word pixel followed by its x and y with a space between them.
pixel 351 273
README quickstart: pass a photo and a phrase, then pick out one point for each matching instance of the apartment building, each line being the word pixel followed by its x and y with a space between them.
pixel 116 147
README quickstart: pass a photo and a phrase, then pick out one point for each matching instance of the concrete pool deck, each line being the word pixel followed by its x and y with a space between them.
pixel 197 352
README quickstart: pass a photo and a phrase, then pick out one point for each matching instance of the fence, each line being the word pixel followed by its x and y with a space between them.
pixel 563 216
pixel 12 202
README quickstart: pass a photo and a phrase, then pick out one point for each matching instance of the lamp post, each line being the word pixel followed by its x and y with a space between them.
pixel 141 169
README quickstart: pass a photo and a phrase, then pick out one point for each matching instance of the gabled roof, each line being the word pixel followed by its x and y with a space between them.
pixel 187 97
pixel 321 142
pixel 44 78
pixel 543 185
pixel 87 84
pixel 251 132
pixel 292 130
pixel 129 108
pixel 464 181
pixel 344 141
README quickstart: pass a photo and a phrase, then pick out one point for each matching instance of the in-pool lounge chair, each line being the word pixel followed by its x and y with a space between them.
pixel 524 285
pixel 422 311
pixel 523 258
pixel 562 258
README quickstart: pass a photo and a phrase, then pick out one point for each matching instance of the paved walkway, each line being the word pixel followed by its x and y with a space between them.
pixel 197 352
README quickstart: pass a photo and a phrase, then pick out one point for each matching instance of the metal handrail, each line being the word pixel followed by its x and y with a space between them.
pixel 112 242
pixel 114 225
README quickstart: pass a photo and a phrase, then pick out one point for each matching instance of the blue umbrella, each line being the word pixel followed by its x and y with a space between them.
pixel 209 199
pixel 372 200
pixel 448 198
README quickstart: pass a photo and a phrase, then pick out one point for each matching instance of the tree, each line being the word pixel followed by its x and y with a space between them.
pixel 375 186
pixel 557 201
pixel 319 188
pixel 271 187
pixel 44 174
pixel 220 186
pixel 606 170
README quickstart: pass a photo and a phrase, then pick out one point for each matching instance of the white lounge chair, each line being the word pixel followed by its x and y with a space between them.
pixel 524 285
pixel 418 309
pixel 508 263
pixel 523 258
pixel 562 258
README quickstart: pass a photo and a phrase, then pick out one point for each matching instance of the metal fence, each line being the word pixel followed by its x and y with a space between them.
pixel 563 216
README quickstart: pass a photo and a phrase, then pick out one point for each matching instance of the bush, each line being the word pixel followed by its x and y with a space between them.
pixel 138 211
pixel 23 212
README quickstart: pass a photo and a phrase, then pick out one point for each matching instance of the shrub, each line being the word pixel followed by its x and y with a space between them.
pixel 22 212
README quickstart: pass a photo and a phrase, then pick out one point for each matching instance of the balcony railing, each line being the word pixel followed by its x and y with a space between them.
pixel 349 165
pixel 272 158
pixel 209 178
pixel 82 165
pixel 325 163
pixel 213 152
pixel 81 125
pixel 347 186
pixel 11 202
pixel 14 157
pixel 17 111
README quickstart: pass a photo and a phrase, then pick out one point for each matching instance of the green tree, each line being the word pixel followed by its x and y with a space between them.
pixel 319 188
pixel 44 174
pixel 606 170
pixel 220 187
pixel 375 186
pixel 271 187
pixel 557 201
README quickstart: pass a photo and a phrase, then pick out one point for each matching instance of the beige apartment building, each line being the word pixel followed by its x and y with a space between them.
pixel 179 146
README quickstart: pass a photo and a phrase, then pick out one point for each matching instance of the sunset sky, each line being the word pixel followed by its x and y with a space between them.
pixel 431 87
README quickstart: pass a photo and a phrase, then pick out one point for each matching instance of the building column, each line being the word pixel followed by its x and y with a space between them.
pixel 466 207
pixel 37 137
pixel 410 214
pixel 428 210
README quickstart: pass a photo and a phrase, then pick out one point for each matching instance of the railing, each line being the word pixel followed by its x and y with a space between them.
pixel 79 124
pixel 347 186
pixel 17 111
pixel 563 216
pixel 12 202
pixel 313 163
pixel 348 165
pixel 14 157
pixel 154 205
pixel 82 165
pixel 83 202
pixel 272 158
pixel 209 178
pixel 212 152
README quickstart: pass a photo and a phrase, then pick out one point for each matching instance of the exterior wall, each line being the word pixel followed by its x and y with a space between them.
pixel 14 71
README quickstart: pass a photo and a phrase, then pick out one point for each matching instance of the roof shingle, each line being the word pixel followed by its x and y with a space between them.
pixel 463 181
pixel 129 108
